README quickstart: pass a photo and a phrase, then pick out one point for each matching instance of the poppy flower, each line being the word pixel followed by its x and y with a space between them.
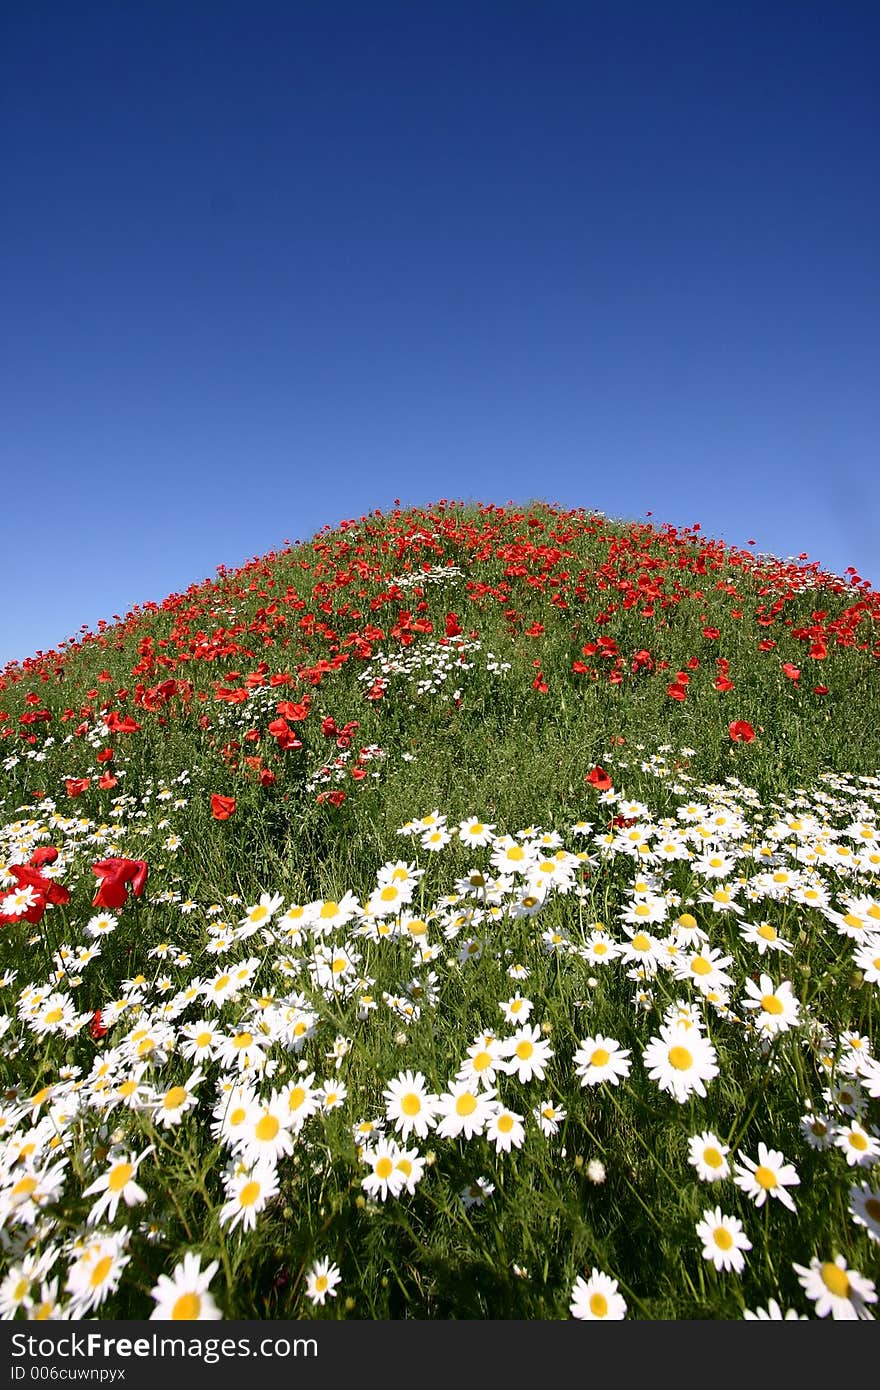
pixel 115 875
pixel 46 854
pixel 97 1029
pixel 599 779
pixel 676 691
pixel 75 786
pixel 790 670
pixel 741 731
pixel 222 807
pixel 453 626
pixel 44 891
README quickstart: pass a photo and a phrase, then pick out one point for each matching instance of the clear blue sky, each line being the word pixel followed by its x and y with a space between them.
pixel 264 266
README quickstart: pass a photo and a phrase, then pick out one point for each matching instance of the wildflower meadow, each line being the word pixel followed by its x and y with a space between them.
pixel 471 912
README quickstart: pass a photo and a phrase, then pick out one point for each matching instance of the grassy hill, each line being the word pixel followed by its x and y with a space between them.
pixel 472 912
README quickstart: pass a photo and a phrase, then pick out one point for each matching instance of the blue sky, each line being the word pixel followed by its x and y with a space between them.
pixel 267 266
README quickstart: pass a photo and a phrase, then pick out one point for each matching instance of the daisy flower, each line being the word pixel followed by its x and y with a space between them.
pixel 517 1009
pixel 549 1117
pixel 409 1105
pixel 867 958
pixel 259 914
pixel 177 1100
pixel 184 1295
pixel 321 1281
pixel 474 1194
pixel 117 1185
pixel 265 1133
pixel 473 831
pixel 858 1145
pixel 483 1060
pixel 464 1110
pixel 435 839
pixel 765 936
pixel 596 1298
pixel 778 1009
pixel 505 1130
pixel 384 1178
pixel 247 1192
pixel 835 1289
pixel 709 1156
pixel 704 969
pixel 724 1240
pixel 864 1208
pixel 680 1060
pixel 771 1176
pixel 818 1130
pixel 601 1059
pixel 302 1100
pixel 527 1054
pixel 410 1169
pixel 96 1273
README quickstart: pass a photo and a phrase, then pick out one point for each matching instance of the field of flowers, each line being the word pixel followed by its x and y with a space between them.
pixel 472 912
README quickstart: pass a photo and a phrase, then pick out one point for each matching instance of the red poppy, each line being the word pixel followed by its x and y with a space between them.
pixel 676 691
pixel 453 626
pixel 741 731
pixel 599 779
pixel 790 670
pixel 75 786
pixel 283 734
pixel 115 875
pixel 107 781
pixel 97 1029
pixel 121 724
pixel 46 854
pixel 45 891
pixel 222 807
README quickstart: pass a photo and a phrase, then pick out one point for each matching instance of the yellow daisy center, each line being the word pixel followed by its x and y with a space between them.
pixel 186 1308
pixel 101 1270
pixel 119 1176
pixel 835 1280
pixel 266 1128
